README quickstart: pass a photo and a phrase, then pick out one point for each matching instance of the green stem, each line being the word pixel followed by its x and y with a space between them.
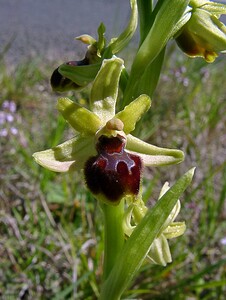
pixel 165 17
pixel 144 9
pixel 113 235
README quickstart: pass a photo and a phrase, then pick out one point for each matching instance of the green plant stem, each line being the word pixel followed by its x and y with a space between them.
pixel 165 18
pixel 144 9
pixel 113 235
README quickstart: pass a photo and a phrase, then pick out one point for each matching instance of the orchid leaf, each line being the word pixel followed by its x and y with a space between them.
pixel 117 44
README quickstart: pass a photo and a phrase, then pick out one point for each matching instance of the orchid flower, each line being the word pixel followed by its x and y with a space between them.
pixel 103 146
pixel 75 75
pixel 204 34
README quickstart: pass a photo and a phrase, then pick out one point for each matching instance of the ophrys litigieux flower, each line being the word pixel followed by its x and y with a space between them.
pixel 204 34
pixel 159 252
pixel 111 157
pixel 75 75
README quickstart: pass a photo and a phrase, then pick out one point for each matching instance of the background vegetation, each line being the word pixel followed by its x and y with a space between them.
pixel 51 227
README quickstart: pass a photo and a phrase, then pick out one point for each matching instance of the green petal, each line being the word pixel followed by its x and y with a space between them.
pixel 71 154
pixel 175 211
pixel 117 44
pixel 174 230
pixel 172 216
pixel 80 118
pixel 132 113
pixel 152 155
pixel 127 227
pixel 105 89
pixel 160 252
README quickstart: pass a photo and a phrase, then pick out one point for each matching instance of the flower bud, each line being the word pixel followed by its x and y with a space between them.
pixel 203 35
pixel 113 173
pixel 61 83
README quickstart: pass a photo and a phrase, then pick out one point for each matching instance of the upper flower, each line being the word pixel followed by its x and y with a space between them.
pixel 111 157
pixel 74 75
pixel 203 35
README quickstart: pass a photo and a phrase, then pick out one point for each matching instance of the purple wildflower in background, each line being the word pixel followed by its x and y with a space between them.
pixel 7 116
pixel 9 105
pixel 223 241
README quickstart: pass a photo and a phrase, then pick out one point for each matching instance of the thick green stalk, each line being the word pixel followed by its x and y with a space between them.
pixel 144 9
pixel 164 27
pixel 113 235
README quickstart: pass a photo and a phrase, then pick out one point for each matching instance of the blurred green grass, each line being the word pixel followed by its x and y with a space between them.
pixel 51 229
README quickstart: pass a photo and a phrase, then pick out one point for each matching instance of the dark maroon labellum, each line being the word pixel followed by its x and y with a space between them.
pixel 114 172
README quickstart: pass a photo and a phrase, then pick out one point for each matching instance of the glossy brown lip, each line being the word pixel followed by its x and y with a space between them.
pixel 114 172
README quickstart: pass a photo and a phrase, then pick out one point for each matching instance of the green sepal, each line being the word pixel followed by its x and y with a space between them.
pixel 101 40
pixel 104 91
pixel 81 75
pixel 80 118
pixel 174 230
pixel 160 252
pixel 214 8
pixel 138 244
pixel 132 113
pixel 70 155
pixel 119 43
pixel 153 155
pixel 86 39
pixel 208 29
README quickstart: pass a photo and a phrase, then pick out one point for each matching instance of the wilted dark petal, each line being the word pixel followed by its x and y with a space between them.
pixel 113 173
